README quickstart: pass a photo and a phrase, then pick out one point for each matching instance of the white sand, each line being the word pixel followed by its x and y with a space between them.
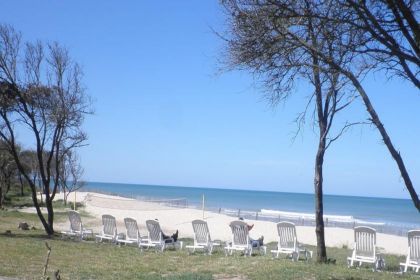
pixel 172 219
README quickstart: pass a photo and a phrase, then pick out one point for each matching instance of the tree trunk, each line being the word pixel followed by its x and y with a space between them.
pixel 387 140
pixel 21 184
pixel 50 210
pixel 64 196
pixel 319 160
pixel 319 205
pixel 1 197
pixel 48 229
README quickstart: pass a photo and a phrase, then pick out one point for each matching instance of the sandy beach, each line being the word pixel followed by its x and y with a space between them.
pixel 172 219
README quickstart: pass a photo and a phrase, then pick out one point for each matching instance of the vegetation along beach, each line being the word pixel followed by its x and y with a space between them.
pixel 230 139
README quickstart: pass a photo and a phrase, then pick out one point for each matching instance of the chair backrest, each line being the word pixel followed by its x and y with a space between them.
pixel 239 233
pixel 75 221
pixel 155 233
pixel 109 225
pixel 131 228
pixel 414 244
pixel 201 231
pixel 365 239
pixel 287 234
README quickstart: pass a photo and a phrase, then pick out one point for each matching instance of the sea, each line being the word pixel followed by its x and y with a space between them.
pixel 388 215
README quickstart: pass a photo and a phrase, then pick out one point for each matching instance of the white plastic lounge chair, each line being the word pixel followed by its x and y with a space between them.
pixel 109 229
pixel 364 249
pixel 288 243
pixel 202 239
pixel 76 227
pixel 241 240
pixel 154 237
pixel 132 233
pixel 413 256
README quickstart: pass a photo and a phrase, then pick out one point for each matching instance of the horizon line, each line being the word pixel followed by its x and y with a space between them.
pixel 239 189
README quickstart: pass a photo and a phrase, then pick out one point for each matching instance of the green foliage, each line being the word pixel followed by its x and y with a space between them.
pixel 14 199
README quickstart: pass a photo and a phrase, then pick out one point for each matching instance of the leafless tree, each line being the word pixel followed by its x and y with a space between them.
pixel 41 93
pixel 277 39
pixel 393 30
pixel 71 173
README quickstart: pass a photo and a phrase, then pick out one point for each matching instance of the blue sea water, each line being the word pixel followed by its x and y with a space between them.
pixel 393 212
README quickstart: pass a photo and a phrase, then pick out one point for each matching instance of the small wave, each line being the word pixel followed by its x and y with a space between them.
pixel 369 223
pixel 310 216
pixel 241 212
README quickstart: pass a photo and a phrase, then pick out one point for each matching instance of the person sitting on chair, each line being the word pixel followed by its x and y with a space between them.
pixel 167 238
pixel 254 242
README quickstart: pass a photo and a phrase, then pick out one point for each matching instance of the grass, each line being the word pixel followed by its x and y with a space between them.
pixel 23 256
pixel 13 199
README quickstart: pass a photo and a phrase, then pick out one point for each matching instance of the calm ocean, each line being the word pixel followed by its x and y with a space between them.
pixel 398 214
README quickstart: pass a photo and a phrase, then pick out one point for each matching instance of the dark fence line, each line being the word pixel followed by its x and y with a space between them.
pixel 176 202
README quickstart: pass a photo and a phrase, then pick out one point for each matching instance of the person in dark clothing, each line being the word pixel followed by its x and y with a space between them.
pixel 254 242
pixel 168 239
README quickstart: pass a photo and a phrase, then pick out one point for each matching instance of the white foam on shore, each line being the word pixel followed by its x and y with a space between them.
pixel 309 216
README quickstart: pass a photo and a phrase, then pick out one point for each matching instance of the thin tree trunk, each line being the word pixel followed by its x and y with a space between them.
pixel 1 197
pixel 319 205
pixel 64 195
pixel 48 229
pixel 21 184
pixel 387 140
pixel 319 159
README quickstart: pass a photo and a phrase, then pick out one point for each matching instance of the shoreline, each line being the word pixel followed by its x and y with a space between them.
pixel 172 219
pixel 385 215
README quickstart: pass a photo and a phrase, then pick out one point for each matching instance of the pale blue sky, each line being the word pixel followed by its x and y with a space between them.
pixel 164 114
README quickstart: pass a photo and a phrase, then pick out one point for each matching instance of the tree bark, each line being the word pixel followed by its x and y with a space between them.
pixel 21 184
pixel 50 211
pixel 48 229
pixel 64 196
pixel 1 197
pixel 319 204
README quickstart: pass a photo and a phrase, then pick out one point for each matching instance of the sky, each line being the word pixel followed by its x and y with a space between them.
pixel 167 113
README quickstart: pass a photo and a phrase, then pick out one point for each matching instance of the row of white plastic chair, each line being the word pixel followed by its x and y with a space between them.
pixel 364 248
pixel 154 237
pixel 240 241
pixel 132 235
